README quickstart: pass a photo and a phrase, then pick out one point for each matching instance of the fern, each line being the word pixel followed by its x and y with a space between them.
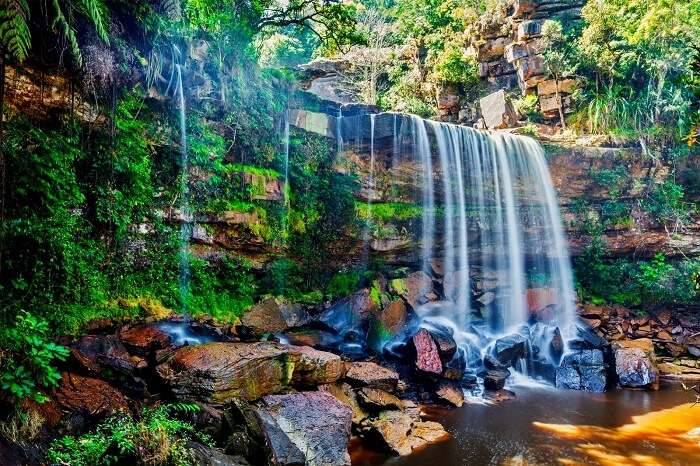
pixel 60 21
pixel 15 37
pixel 183 408
pixel 173 9
pixel 96 12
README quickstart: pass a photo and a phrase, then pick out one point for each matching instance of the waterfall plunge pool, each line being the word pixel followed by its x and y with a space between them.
pixel 547 426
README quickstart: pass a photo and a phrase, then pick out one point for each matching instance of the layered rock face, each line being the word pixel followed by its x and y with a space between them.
pixel 509 52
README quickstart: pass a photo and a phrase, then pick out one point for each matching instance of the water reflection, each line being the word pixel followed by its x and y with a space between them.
pixel 543 427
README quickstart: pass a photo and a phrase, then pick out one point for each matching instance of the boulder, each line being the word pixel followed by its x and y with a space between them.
pixel 556 345
pixel 378 400
pixel 415 287
pixel 203 455
pixel 369 374
pixel 443 338
pixel 582 370
pixel 101 354
pixel 401 432
pixel 635 364
pixel 393 317
pixel 313 367
pixel 450 392
pixel 218 372
pixel 529 28
pixel 350 313
pixel 498 111
pixel 88 396
pixel 454 368
pixel 346 394
pixel 307 428
pixel 539 298
pixel 510 348
pixel 272 316
pixel 144 340
pixel 495 379
pixel 427 355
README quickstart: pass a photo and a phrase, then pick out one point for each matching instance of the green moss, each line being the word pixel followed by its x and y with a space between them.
pixel 375 293
pixel 253 170
pixel 398 286
pixel 388 211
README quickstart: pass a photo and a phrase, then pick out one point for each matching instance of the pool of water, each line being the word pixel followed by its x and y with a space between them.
pixel 546 426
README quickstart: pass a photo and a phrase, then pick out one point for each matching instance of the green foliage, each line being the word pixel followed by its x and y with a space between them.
pixel 666 204
pixel 15 37
pixel 94 10
pixel 343 283
pixel 156 437
pixel 26 367
pixel 388 211
pixel 642 283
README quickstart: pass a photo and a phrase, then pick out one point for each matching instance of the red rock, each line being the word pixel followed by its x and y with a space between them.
pixel 539 298
pixel 593 323
pixel 89 396
pixel 664 335
pixel 450 392
pixel 635 364
pixel 144 339
pixel 427 355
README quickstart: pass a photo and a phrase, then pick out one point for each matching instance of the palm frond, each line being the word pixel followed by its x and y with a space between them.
pixel 15 37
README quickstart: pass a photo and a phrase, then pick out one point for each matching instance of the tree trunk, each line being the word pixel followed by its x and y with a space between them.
pixel 560 105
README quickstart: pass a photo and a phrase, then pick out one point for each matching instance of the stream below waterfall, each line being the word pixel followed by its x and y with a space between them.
pixel 544 425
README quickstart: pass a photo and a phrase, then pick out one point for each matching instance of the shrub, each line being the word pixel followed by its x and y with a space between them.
pixel 26 369
pixel 156 438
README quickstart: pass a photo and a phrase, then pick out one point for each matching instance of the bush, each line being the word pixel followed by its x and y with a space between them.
pixel 26 367
pixel 156 438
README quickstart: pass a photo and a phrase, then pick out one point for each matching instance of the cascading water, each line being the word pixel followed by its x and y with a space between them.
pixel 489 209
pixel 186 216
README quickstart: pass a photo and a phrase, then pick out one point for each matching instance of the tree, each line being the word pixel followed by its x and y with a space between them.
pixel 558 60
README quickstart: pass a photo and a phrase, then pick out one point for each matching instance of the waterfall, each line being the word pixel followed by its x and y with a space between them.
pixel 186 216
pixel 489 211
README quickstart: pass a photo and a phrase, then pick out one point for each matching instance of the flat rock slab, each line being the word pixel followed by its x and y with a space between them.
pixel 369 374
pixel 313 367
pixel 427 354
pixel 218 372
pixel 144 339
pixel 272 316
pixel 307 428
pixel 401 432
pixel 89 396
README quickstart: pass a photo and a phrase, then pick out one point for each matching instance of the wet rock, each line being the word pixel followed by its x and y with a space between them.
pixel 350 313
pixel 582 370
pixel 415 287
pixel 89 397
pixel 427 355
pixel 586 338
pixel 539 298
pixel 313 337
pixel 272 316
pixel 307 428
pixel 495 379
pixel 203 455
pixel 437 267
pixel 556 345
pixel 346 394
pixel 369 374
pixel 499 396
pixel 401 432
pixel 216 373
pixel 443 338
pixel 99 354
pixel 313 367
pixel 454 368
pixel 144 340
pixel 490 362
pixel 378 400
pixel 450 392
pixel 635 364
pixel 389 323
pixel 510 348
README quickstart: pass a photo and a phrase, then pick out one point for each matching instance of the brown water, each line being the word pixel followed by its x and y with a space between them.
pixel 546 426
